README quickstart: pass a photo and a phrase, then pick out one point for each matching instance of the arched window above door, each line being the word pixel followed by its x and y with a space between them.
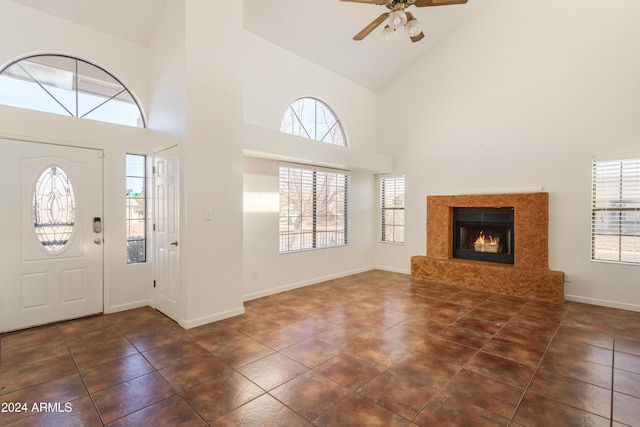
pixel 313 119
pixel 66 85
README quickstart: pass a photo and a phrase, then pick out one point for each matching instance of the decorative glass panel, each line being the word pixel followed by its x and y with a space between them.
pixel 313 119
pixel 54 209
pixel 69 86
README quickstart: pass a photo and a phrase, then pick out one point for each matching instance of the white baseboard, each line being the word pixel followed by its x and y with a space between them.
pixel 393 269
pixel 602 302
pixel 302 284
pixel 188 324
pixel 129 306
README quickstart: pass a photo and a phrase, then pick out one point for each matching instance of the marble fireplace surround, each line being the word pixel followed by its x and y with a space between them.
pixel 529 277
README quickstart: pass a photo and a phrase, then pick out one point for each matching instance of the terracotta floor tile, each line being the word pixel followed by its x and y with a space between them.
pixel 173 411
pixel 221 395
pixel 425 369
pixel 189 372
pixel 63 390
pixel 447 351
pixel 626 409
pixel 528 354
pixel 356 411
pixel 21 357
pixel 311 352
pixel 213 339
pixel 626 382
pixel 400 394
pixel 631 346
pixel 501 369
pixel 626 362
pixel 578 350
pixel 576 393
pixel 21 340
pixel 586 336
pixel 568 366
pixel 310 394
pixel 349 371
pixel 26 376
pixel 242 352
pixel 483 392
pixel 151 340
pixel 166 355
pixel 130 396
pixel 536 410
pixel 404 337
pixel 375 350
pixel 272 370
pixel 95 354
pixel 526 332
pixel 489 315
pixel 465 337
pixel 479 325
pixel 79 412
pixel 446 412
pixel 115 372
pixel 265 411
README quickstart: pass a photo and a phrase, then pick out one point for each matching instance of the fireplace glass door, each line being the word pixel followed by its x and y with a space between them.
pixel 484 234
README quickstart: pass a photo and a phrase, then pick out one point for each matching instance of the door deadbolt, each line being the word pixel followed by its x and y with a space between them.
pixel 97 225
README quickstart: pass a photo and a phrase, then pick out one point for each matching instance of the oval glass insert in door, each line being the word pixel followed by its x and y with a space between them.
pixel 54 209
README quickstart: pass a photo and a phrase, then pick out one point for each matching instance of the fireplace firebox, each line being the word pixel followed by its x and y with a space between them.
pixel 484 234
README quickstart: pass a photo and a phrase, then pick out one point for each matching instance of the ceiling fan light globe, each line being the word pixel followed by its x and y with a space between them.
pixel 413 27
pixel 397 18
pixel 388 33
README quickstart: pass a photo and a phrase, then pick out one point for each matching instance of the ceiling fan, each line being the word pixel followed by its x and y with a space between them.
pixel 398 17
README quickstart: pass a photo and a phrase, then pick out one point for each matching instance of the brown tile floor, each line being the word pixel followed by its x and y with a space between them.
pixel 373 349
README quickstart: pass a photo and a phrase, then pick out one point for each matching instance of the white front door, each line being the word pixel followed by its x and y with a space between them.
pixel 51 256
pixel 166 225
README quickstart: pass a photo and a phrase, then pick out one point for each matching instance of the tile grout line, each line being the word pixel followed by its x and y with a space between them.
pixel 526 389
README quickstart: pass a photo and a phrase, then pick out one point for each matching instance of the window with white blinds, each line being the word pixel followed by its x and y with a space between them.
pixel 313 208
pixel 392 207
pixel 615 212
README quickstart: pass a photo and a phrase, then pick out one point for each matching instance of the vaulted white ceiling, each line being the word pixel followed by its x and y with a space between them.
pixel 318 30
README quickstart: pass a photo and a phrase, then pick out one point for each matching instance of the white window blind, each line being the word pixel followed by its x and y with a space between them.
pixel 615 214
pixel 313 208
pixel 392 207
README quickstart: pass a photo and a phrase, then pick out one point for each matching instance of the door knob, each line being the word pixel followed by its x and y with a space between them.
pixel 175 243
pixel 97 240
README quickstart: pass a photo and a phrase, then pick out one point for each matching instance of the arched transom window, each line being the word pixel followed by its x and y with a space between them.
pixel 69 86
pixel 313 119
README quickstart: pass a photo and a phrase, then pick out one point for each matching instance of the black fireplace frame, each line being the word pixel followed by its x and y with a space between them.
pixel 484 218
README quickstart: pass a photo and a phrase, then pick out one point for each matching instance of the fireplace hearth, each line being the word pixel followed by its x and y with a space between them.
pixel 484 234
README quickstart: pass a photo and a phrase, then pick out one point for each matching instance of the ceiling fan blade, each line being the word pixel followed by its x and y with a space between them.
pixel 367 1
pixel 372 26
pixel 427 3
pixel 417 38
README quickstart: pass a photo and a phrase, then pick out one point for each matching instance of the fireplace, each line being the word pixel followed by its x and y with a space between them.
pixel 483 234
pixel 526 245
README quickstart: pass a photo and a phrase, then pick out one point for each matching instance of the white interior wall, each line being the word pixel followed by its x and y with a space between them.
pixel 282 78
pixel 522 97
pixel 211 254
pixel 265 270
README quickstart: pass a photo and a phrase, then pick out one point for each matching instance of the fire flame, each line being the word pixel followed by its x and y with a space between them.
pixel 482 239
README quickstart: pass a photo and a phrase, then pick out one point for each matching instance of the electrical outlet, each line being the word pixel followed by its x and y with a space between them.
pixel 254 276
pixel 567 279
